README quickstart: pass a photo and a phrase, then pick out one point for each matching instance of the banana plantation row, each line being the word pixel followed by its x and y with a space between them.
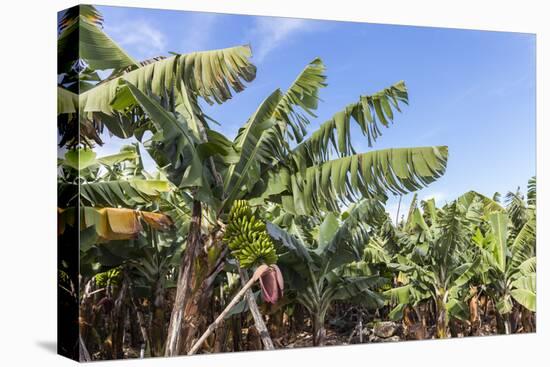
pixel 275 238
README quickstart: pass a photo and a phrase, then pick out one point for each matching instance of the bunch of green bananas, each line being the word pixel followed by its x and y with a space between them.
pixel 247 237
pixel 111 276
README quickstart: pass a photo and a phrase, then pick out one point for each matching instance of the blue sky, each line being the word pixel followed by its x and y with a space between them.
pixel 471 90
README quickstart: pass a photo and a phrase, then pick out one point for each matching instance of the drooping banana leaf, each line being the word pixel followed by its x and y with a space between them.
pixel 174 146
pixel 81 159
pixel 369 175
pixel 67 101
pixel 489 205
pixel 114 193
pixel 251 141
pixel 462 274
pixel 84 40
pixel 288 111
pixel 293 250
pixel 361 290
pixel 208 74
pixel 334 135
pixel 532 192
pixel 529 266
pixel 499 228
pixel 71 15
pixel 523 246
pixel 300 100
pixel 524 291
pixel 342 243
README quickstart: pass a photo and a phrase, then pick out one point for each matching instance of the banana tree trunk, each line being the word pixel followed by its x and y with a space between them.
pixel 236 327
pixel 157 321
pixel 221 337
pixel 527 320
pixel 507 324
pixel 119 319
pixel 442 321
pixel 198 302
pixel 86 317
pixel 140 319
pixel 319 331
pixel 298 318
pixel 174 339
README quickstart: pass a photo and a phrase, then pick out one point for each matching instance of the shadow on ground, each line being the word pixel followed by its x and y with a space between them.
pixel 48 345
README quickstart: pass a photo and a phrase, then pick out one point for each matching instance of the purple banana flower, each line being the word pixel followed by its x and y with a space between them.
pixel 272 284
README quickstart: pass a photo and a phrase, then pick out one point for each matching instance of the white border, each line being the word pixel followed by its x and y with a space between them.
pixel 27 181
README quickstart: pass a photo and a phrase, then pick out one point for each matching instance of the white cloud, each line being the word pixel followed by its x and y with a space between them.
pixel 141 38
pixel 272 32
pixel 144 40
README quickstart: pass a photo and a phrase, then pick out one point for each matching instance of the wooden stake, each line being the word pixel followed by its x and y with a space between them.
pixel 256 314
pixel 257 274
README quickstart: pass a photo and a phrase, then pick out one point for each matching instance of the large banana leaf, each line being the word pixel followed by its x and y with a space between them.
pixel 523 246
pixel 528 266
pixel 176 146
pixel 400 295
pixel 517 209
pixel 112 159
pixel 451 237
pixel 300 100
pixel 71 15
pixel 208 74
pixel 461 275
pixel 404 295
pixel 532 192
pixel 369 175
pixel 81 159
pixel 499 228
pixel 252 140
pixel 360 289
pixel 334 135
pixel 267 146
pixel 67 101
pixel 524 291
pixel 114 193
pixel 288 111
pixel 375 253
pixel 293 250
pixel 342 243
pixel 489 205
pixel 67 119
pixel 82 39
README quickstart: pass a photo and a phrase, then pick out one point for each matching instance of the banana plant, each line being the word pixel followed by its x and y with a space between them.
pixel 314 267
pixel 439 266
pixel 507 245
pixel 121 219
